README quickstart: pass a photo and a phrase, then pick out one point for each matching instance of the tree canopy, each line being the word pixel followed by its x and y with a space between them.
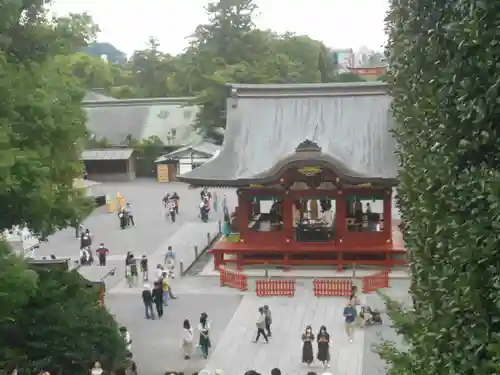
pixel 47 318
pixel 445 100
pixel 227 49
pixel 61 326
pixel 40 117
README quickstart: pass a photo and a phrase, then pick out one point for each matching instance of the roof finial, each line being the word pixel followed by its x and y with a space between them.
pixel 308 146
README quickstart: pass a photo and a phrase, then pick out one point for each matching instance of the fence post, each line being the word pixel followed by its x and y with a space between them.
pixel 266 271
pixel 354 270
pixel 181 266
pixel 220 227
pixel 195 252
pixel 208 239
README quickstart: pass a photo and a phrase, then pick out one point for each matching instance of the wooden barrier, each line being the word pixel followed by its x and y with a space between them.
pixel 332 287
pixel 376 281
pixel 266 288
pixel 233 279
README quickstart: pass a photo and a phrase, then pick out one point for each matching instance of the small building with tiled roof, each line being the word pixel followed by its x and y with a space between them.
pixel 109 164
pixel 118 121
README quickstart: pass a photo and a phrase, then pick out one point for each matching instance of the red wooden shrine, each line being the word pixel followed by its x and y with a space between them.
pixel 307 208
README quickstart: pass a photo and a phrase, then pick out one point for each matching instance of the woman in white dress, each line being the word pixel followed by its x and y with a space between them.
pixel 187 340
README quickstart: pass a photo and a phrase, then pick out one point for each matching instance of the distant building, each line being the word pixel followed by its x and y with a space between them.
pixel 344 58
pixel 120 120
pixel 184 160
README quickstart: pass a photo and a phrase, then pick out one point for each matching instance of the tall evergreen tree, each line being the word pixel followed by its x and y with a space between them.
pixel 445 86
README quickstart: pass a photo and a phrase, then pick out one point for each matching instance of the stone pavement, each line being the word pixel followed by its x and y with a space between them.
pixel 152 230
pixel 156 345
pixel 183 242
pixel 308 271
pixel 236 353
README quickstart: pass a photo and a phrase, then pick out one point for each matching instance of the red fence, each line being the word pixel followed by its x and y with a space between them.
pixel 275 288
pixel 376 281
pixel 332 287
pixel 233 279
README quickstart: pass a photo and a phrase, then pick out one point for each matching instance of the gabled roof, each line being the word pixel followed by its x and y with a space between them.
pixel 350 123
pixel 92 96
pixel 169 119
pixel 107 154
pixel 206 149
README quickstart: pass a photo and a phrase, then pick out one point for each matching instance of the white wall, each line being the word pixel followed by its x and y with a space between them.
pixel 186 166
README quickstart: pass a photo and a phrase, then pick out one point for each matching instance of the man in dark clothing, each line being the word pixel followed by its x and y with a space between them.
pixel 269 320
pixel 158 298
pixel 275 371
pixel 85 239
pixel 144 268
pixel 102 253
pixel 176 199
pixel 147 299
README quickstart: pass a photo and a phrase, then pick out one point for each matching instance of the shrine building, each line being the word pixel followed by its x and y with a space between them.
pixel 315 170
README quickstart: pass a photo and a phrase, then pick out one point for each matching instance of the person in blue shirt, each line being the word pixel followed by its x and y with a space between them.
pixel 350 314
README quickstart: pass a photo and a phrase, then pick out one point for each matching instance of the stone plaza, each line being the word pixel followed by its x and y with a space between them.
pixel 156 345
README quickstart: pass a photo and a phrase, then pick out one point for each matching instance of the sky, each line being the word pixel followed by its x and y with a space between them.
pixel 128 24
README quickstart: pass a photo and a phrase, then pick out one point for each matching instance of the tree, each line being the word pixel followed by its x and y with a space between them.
pixel 41 121
pixel 44 320
pixel 17 285
pixel 112 54
pixel 445 100
pixel 230 50
pixel 348 77
pixel 54 330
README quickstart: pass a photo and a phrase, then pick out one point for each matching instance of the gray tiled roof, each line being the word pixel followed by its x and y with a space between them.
pixel 206 148
pixel 169 119
pixel 350 122
pixel 107 154
pixel 92 96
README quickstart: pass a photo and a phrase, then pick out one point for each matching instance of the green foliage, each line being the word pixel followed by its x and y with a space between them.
pixel 113 55
pixel 40 123
pixel 63 327
pixel 348 77
pixel 445 87
pixel 14 276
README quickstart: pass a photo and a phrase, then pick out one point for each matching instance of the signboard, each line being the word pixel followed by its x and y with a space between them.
pixel 162 175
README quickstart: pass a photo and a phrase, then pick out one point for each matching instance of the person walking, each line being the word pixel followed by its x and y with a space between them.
pixel 175 198
pixel 350 315
pixel 166 286
pixel 307 349
pixel 130 216
pixel 85 239
pixel 187 339
pixel 102 253
pixel 204 328
pixel 169 260
pixel 324 346
pixel 261 326
pixel 147 299
pixel 158 298
pixel 171 210
pixel 144 268
pixel 126 337
pixel 269 320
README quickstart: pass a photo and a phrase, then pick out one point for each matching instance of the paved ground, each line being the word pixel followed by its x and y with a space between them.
pixel 151 232
pixel 156 344
pixel 372 364
pixel 236 353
